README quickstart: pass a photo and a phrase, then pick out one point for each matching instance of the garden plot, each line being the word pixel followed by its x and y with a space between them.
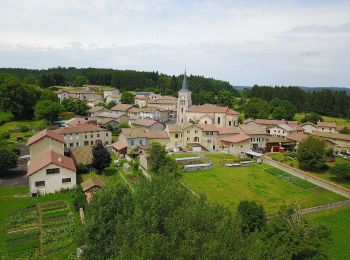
pixel 22 240
pixel 43 230
pixel 57 227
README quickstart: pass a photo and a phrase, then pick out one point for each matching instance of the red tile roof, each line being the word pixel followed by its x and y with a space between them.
pixel 119 145
pixel 210 108
pixel 79 129
pixel 156 135
pixel 122 107
pixel 326 124
pixel 76 121
pixel 275 122
pixel 144 122
pixel 44 133
pixel 297 137
pixel 50 158
pixel 237 138
pixel 208 127
pixel 229 130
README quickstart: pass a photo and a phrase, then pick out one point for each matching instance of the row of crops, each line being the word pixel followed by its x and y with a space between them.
pixel 42 230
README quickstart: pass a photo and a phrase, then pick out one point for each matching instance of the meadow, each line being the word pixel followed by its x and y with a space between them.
pixel 267 185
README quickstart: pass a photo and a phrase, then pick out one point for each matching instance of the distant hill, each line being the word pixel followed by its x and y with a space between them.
pixel 308 89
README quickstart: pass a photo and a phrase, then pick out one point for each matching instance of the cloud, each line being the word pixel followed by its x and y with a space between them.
pixel 244 42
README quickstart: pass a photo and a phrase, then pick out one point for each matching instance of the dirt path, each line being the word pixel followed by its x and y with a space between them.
pixel 325 207
pixel 310 178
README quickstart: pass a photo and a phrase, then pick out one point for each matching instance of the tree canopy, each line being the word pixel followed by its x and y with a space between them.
pixel 101 157
pixel 311 154
pixel 127 98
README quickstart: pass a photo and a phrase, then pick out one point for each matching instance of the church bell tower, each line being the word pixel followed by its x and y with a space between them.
pixel 184 101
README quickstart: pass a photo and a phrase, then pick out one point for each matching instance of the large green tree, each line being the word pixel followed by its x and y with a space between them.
pixel 251 216
pixel 341 170
pixel 311 153
pixel 127 98
pixel 46 109
pixel 312 117
pixel 76 106
pixel 8 159
pixel 101 157
pixel 257 108
pixel 160 163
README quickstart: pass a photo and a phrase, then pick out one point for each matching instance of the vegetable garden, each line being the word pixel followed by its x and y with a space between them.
pixel 44 230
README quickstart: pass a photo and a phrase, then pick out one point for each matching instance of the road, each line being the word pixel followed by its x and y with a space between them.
pixel 310 178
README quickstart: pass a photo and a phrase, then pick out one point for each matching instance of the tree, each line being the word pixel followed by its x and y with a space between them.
pixel 291 236
pixel 159 163
pixel 46 109
pixel 46 80
pixel 341 170
pixel 225 98
pixel 311 154
pixel 76 106
pixel 257 108
pixel 312 117
pixel 5 117
pixel 345 130
pixel 110 104
pixel 101 157
pixel 282 109
pixel 48 95
pixel 80 81
pixel 79 199
pixel 127 98
pixel 251 216
pixel 8 159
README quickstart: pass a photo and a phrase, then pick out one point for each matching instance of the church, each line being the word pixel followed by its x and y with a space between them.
pixel 202 114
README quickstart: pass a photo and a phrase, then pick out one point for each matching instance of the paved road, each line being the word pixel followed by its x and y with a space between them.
pixel 306 176
pixel 325 207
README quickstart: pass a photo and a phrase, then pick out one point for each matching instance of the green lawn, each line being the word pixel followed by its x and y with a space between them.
pixel 12 202
pixel 326 175
pixel 34 125
pixel 337 220
pixel 229 186
pixel 339 121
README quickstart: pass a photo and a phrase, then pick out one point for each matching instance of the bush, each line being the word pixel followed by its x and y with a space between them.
pixel 5 117
pixel 67 115
pixel 82 168
pixel 311 154
pixel 24 128
pixel 341 170
pixel 79 200
pixel 5 136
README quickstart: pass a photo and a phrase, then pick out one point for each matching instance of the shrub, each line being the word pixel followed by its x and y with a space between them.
pixel 82 168
pixel 79 200
pixel 24 128
pixel 5 117
pixel 5 136
pixel 341 170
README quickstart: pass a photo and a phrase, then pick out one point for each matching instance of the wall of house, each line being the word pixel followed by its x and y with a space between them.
pixel 210 141
pixel 87 138
pixel 191 134
pixel 237 149
pixel 219 119
pixel 309 128
pixel 53 182
pixel 45 145
pixel 277 131
pixel 327 129
pixel 260 140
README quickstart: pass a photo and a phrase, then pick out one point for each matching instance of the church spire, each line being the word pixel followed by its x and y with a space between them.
pixel 184 82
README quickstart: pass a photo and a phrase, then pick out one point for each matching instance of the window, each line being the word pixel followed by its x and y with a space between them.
pixel 66 180
pixel 65 146
pixel 98 135
pixel 53 170
pixel 85 136
pixel 106 142
pixel 106 134
pixel 92 142
pixel 132 142
pixel 188 131
pixel 92 136
pixel 205 122
pixel 176 135
pixel 188 138
pixel 219 119
pixel 196 131
pixel 77 144
pixel 241 146
pixel 86 142
pixel 229 123
pixel 209 141
pixel 39 183
pixel 141 143
pixel 71 144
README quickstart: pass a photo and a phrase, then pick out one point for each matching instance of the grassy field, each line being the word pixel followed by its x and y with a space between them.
pixel 339 121
pixel 337 220
pixel 326 175
pixel 14 128
pixel 229 186
pixel 14 213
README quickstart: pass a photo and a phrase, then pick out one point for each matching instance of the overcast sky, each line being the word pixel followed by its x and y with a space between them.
pixel 286 42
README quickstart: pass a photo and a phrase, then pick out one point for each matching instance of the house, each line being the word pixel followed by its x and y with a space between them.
pixel 108 123
pixel 165 102
pixel 49 170
pixel 141 101
pixel 94 101
pixel 119 109
pixel 280 130
pixel 44 142
pixel 133 138
pixel 161 137
pixel 328 127
pixel 78 93
pixel 97 111
pixel 279 144
pixel 309 127
pixel 76 121
pixel 148 124
pixel 154 113
pixel 109 92
pixel 273 122
pixel 81 155
pixel 113 98
pixel 119 148
pixel 237 144
pixel 84 135
pixel 297 138
pixel 339 142
pixel 257 135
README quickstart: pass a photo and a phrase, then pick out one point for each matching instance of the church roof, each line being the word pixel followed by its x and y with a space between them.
pixel 185 82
